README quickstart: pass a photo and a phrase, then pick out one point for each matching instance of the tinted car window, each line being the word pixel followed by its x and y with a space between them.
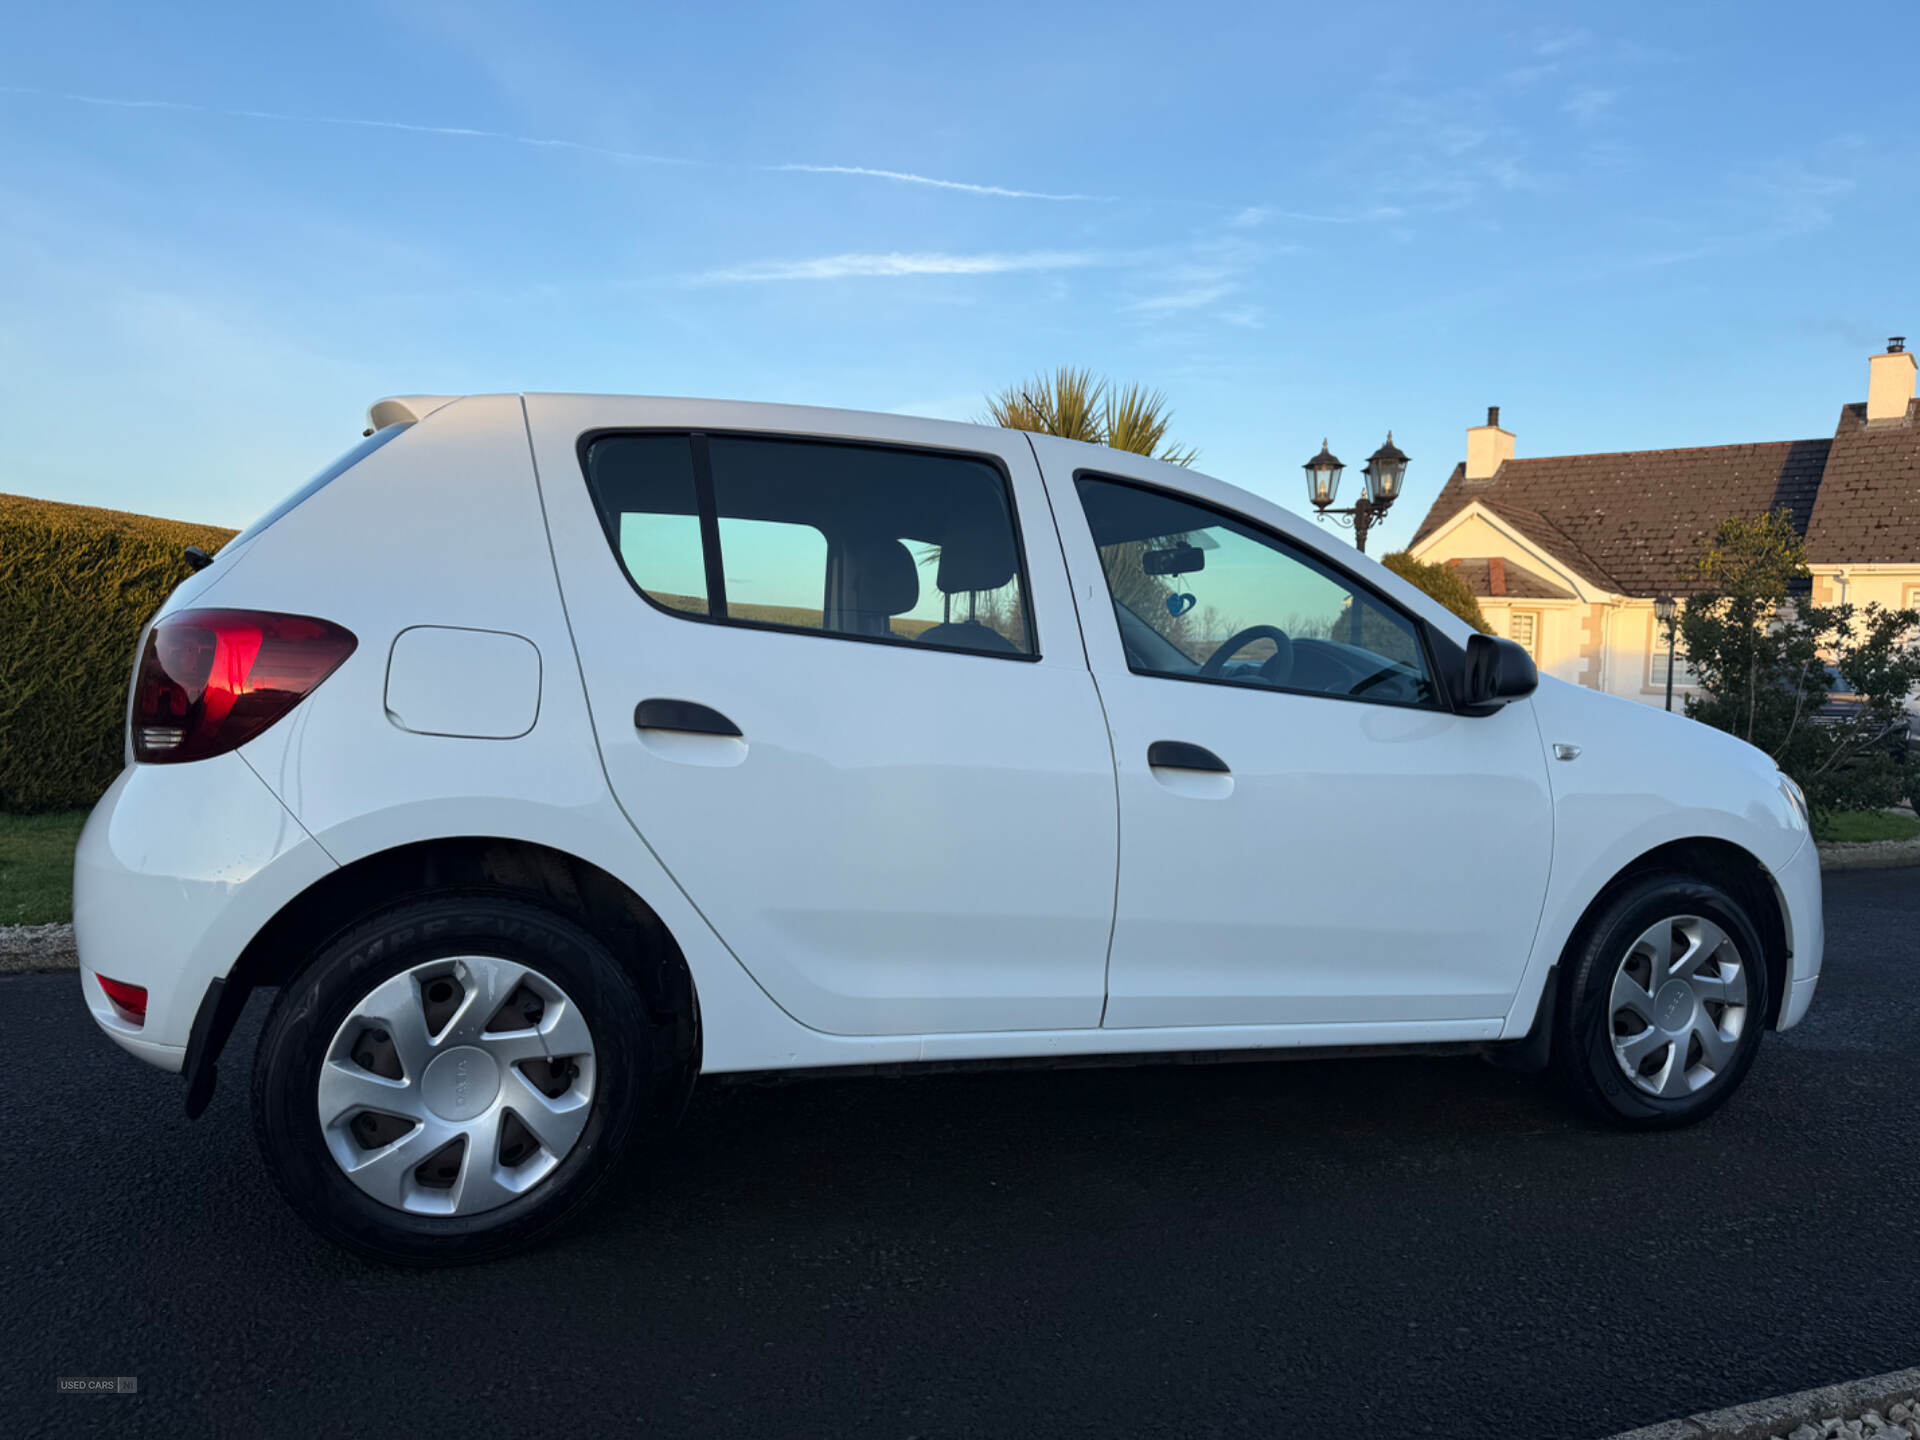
pixel 851 540
pixel 1201 595
pixel 643 486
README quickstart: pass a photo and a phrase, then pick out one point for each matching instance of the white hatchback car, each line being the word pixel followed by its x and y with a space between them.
pixel 548 751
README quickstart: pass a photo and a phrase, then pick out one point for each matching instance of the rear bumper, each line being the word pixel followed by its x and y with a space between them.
pixel 1803 905
pixel 178 868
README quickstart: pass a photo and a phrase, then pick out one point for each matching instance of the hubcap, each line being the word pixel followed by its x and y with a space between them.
pixel 1678 1006
pixel 461 1083
pixel 456 1086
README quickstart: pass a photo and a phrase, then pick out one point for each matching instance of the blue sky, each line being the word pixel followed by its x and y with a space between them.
pixel 225 229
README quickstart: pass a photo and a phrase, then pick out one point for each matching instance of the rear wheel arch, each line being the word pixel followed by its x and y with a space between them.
pixel 583 892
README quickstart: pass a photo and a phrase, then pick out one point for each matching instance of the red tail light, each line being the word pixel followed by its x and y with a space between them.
pixel 129 1001
pixel 211 680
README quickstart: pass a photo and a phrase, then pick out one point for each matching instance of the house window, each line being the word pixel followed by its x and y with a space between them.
pixel 1683 676
pixel 1523 628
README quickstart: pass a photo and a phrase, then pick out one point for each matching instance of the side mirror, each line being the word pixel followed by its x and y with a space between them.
pixel 1497 672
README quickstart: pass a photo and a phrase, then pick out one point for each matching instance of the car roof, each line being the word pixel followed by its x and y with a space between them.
pixel 406 409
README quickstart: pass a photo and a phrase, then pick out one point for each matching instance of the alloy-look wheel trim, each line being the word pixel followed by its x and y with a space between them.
pixel 456 1086
pixel 1678 1007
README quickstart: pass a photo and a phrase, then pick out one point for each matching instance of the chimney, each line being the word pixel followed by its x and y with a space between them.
pixel 1889 382
pixel 1488 445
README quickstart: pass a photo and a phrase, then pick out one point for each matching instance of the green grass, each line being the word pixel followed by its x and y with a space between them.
pixel 1859 825
pixel 36 866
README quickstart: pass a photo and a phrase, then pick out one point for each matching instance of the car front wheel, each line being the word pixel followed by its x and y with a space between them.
pixel 450 1080
pixel 1663 1005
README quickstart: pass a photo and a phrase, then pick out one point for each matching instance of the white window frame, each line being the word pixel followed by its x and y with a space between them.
pixel 1533 619
pixel 1684 677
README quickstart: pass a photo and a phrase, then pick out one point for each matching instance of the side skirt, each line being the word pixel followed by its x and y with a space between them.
pixel 1112 1061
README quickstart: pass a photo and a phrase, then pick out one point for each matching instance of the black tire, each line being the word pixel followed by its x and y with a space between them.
pixel 631 1075
pixel 1583 1044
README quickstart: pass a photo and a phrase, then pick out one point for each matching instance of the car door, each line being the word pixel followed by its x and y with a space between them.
pixel 1308 835
pixel 839 689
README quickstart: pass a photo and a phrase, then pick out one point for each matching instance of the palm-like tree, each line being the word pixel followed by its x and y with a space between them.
pixel 1079 405
pixel 1137 419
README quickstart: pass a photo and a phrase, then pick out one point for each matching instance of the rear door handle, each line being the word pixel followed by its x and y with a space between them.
pixel 685 715
pixel 1180 755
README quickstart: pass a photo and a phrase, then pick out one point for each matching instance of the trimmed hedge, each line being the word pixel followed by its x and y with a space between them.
pixel 77 585
pixel 1442 584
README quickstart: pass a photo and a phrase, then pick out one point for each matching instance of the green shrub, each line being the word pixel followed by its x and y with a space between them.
pixel 1442 583
pixel 76 587
pixel 1761 653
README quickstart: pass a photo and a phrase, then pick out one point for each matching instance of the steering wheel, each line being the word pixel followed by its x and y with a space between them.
pixel 1378 677
pixel 1277 668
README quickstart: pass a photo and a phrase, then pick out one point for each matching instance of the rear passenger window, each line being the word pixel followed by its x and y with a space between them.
pixel 776 571
pixel 860 541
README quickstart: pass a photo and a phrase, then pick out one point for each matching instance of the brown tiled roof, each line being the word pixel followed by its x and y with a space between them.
pixel 1869 506
pixel 1635 521
pixel 1494 578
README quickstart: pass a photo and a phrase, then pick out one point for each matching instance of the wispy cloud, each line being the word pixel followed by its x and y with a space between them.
pixel 1589 105
pixel 905 177
pixel 1197 296
pixel 1560 42
pixel 1254 216
pixel 1210 279
pixel 1531 74
pixel 1440 152
pixel 1796 196
pixel 890 264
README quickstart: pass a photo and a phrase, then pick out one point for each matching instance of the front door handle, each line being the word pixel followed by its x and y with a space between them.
pixel 1180 755
pixel 685 715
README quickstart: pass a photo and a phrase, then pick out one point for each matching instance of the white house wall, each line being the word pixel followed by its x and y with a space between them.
pixel 1891 587
pixel 1598 639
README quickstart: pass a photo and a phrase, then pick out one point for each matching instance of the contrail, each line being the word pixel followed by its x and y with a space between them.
pixel 463 132
pixel 458 131
pixel 895 263
pixel 907 177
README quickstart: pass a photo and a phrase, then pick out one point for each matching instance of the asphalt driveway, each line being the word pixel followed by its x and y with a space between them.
pixel 1378 1247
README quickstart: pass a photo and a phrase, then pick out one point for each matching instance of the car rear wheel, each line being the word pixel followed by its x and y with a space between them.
pixel 452 1079
pixel 1664 1005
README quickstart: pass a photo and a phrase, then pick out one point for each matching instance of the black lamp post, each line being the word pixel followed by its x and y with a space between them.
pixel 1386 469
pixel 1665 607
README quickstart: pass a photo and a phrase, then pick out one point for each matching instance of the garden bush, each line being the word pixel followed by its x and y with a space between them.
pixel 1442 583
pixel 77 585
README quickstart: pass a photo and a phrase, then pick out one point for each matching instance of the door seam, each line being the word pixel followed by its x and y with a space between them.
pixel 1113 752
pixel 599 751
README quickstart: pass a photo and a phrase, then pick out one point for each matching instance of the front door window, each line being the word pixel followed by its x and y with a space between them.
pixel 1200 595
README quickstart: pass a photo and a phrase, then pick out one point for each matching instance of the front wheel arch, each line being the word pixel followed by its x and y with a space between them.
pixel 1718 862
pixel 1585 1049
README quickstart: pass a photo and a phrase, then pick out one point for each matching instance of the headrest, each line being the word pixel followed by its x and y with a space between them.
pixel 976 555
pixel 885 579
